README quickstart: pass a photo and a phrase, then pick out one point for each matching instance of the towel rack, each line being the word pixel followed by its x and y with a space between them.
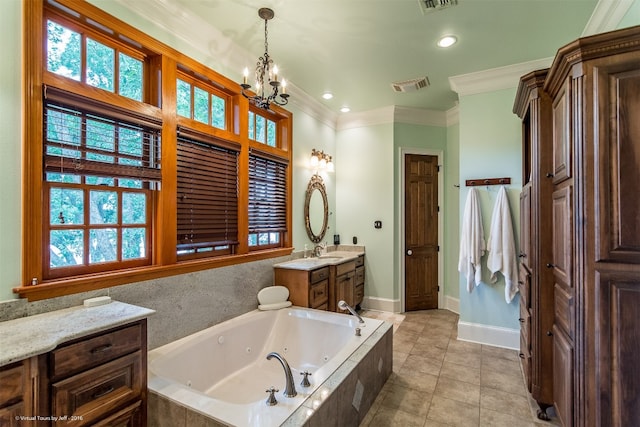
pixel 487 181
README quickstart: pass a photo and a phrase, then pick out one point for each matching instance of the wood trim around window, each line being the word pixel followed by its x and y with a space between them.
pixel 160 96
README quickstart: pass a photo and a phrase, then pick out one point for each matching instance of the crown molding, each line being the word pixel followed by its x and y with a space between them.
pixel 606 16
pixel 379 116
pixel 495 78
pixel 309 105
pixel 453 115
pixel 417 116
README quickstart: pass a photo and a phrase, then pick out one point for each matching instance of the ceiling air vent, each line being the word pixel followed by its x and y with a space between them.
pixel 428 6
pixel 411 85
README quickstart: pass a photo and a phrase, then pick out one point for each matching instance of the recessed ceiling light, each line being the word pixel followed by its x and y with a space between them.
pixel 447 41
pixel 327 95
pixel 345 109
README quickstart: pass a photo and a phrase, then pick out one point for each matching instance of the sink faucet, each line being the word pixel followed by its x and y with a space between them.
pixel 290 387
pixel 342 305
pixel 317 250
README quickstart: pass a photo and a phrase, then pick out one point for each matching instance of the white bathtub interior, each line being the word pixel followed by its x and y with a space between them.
pixel 223 372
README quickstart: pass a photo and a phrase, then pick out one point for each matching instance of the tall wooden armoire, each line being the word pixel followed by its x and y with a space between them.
pixel 535 280
pixel 594 174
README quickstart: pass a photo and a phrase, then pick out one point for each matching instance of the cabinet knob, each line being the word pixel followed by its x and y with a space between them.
pixel 409 252
pixel 521 320
pixel 521 355
pixel 549 333
pixel 549 265
pixel 549 175
pixel 522 255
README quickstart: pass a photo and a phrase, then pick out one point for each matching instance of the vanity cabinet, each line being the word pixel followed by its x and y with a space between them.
pixel 322 287
pixel 101 378
pixel 307 288
pixel 19 393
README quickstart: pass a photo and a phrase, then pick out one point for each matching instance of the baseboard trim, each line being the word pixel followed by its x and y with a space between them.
pixel 452 304
pixel 381 304
pixel 489 335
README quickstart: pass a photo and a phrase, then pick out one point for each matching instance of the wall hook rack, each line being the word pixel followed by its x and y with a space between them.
pixel 487 181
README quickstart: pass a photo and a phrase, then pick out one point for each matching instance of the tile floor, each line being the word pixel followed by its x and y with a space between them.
pixel 440 381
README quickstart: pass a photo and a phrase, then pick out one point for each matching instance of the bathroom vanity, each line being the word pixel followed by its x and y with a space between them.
pixel 321 282
pixel 77 366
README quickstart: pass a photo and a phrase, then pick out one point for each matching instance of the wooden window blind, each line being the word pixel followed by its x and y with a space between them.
pixel 87 137
pixel 267 194
pixel 207 199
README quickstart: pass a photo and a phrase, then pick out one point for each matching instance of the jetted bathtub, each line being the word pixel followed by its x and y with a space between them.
pixel 222 372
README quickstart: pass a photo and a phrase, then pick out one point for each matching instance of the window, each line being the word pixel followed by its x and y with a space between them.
pixel 99 171
pixel 267 202
pixel 138 164
pixel 101 66
pixel 262 129
pixel 207 196
pixel 202 105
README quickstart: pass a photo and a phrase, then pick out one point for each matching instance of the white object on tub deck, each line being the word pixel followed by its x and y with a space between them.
pixel 273 298
pixel 223 372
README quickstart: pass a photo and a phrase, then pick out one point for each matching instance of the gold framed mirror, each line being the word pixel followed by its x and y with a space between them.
pixel 316 209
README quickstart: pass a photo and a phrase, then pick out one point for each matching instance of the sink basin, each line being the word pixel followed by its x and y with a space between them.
pixel 329 257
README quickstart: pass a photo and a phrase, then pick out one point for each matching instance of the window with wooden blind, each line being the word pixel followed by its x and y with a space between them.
pixel 267 201
pixel 207 196
pixel 99 171
pixel 138 159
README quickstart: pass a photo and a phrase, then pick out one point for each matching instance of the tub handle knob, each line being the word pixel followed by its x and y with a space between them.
pixel 305 380
pixel 271 400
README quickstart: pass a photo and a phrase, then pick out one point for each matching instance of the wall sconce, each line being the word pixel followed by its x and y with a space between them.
pixel 320 160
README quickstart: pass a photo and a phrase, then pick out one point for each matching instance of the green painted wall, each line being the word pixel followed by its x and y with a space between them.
pixel 10 147
pixel 490 147
pixel 452 206
pixel 364 194
pixel 632 17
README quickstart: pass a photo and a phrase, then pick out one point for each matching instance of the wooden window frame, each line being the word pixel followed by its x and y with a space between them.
pixel 162 66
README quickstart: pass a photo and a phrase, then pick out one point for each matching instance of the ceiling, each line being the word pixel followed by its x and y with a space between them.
pixel 356 48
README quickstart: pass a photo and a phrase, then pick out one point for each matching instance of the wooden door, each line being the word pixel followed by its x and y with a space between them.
pixel 421 232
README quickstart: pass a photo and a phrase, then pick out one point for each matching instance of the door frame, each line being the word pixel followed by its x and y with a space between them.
pixel 401 222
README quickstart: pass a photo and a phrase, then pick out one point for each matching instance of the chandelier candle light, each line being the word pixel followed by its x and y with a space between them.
pixel 265 70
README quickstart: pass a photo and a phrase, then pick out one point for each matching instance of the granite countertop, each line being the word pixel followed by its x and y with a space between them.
pixel 329 258
pixel 33 335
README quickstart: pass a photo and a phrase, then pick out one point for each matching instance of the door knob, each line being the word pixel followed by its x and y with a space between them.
pixel 409 252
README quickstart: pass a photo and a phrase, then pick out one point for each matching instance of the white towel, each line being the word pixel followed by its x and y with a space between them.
pixel 502 248
pixel 471 241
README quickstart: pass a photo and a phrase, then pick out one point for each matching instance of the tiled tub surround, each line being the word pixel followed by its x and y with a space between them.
pixel 228 373
pixel 34 335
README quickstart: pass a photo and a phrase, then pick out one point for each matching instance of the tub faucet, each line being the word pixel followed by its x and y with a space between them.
pixel 290 387
pixel 342 305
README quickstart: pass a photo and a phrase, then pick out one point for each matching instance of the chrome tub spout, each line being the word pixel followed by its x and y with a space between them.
pixel 290 387
pixel 342 305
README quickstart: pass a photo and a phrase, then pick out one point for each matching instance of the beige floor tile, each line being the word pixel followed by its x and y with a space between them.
pixel 412 401
pixel 403 345
pixel 411 327
pixel 503 353
pixel 464 373
pixel 416 380
pixel 426 365
pixel 452 412
pixel 458 390
pixel 464 347
pixel 440 341
pixel 507 403
pixel 502 381
pixel 489 418
pixel 472 360
pixel 501 365
pixel 398 359
pixel 388 417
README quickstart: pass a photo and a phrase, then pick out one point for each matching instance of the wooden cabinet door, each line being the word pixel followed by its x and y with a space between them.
pixel 562 134
pixel 525 226
pixel 345 290
pixel 563 381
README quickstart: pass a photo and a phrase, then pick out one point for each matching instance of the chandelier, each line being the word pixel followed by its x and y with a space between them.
pixel 266 75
